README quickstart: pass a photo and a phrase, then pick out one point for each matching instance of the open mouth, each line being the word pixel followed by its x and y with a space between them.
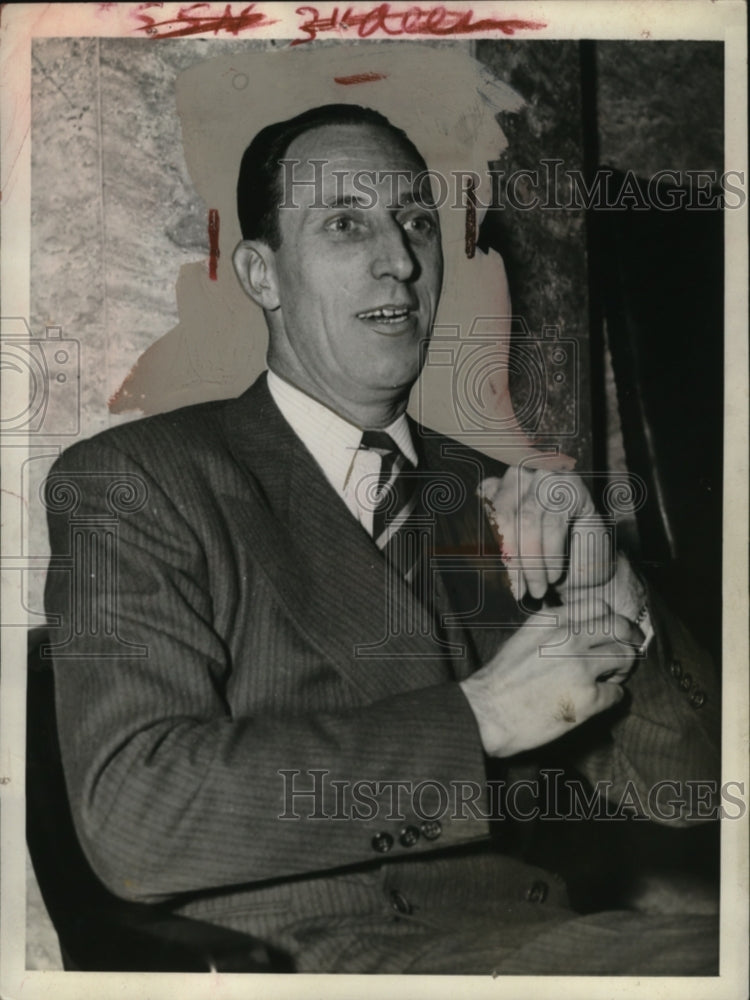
pixel 385 315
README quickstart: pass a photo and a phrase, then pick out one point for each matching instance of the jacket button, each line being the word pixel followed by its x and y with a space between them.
pixel 676 669
pixel 697 699
pixel 399 902
pixel 409 836
pixel 537 892
pixel 686 682
pixel 382 843
pixel 431 829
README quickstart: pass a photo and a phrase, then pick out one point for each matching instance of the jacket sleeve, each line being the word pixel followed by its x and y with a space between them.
pixel 658 751
pixel 170 791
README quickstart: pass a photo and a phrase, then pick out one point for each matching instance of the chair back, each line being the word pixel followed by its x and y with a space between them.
pixel 97 930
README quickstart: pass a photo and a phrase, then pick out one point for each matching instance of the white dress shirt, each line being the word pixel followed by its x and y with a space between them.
pixel 334 444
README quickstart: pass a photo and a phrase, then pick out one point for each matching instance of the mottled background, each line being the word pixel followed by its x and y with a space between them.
pixel 115 216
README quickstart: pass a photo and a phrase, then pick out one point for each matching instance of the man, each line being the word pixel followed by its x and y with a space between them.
pixel 277 663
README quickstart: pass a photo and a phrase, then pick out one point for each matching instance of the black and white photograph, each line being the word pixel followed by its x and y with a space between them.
pixel 374 447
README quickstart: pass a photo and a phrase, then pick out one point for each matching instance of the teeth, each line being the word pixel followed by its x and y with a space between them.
pixel 388 314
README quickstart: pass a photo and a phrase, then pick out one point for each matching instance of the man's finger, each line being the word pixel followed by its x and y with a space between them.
pixel 595 631
pixel 619 631
pixel 592 559
pixel 531 526
pixel 554 545
pixel 530 554
pixel 597 617
pixel 500 500
pixel 614 675
pixel 587 606
pixel 508 542
pixel 607 695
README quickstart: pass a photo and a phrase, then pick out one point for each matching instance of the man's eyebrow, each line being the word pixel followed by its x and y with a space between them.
pixel 346 201
pixel 406 200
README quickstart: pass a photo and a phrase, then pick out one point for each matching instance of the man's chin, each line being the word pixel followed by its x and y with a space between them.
pixel 395 391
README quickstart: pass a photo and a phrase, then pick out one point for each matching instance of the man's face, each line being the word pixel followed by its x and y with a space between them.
pixel 358 280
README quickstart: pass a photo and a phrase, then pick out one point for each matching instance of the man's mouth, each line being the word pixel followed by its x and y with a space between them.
pixel 387 314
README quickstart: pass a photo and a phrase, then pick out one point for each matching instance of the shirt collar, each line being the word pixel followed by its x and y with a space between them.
pixel 331 440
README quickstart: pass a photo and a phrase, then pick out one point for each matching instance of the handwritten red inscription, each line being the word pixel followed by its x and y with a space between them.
pixel 471 219
pixel 213 242
pixel 196 18
pixel 439 21
pixel 360 78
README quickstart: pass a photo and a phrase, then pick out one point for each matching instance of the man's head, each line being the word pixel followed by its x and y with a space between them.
pixel 341 248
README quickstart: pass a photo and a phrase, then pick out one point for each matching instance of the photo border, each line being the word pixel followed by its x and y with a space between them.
pixel 563 19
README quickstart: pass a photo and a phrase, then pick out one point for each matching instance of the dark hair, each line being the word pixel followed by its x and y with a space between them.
pixel 259 182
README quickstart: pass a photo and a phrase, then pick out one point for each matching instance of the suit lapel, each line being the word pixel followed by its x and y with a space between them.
pixel 325 569
pixel 464 542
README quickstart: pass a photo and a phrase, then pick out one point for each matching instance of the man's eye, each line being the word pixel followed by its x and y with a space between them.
pixel 342 224
pixel 420 225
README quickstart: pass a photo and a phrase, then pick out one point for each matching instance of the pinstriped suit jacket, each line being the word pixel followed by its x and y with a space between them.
pixel 246 592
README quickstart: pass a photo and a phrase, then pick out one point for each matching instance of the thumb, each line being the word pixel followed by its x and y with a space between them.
pixel 587 606
pixel 607 695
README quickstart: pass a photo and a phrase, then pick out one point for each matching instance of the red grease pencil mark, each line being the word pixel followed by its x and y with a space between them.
pixel 196 18
pixel 213 242
pixel 123 399
pixel 491 512
pixel 438 21
pixel 471 219
pixel 360 78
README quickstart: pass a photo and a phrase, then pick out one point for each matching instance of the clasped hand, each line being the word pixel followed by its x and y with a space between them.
pixel 549 532
pixel 529 694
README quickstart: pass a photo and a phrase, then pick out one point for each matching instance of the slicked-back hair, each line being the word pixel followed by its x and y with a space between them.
pixel 259 185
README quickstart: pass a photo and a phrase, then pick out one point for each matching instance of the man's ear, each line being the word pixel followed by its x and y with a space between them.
pixel 255 266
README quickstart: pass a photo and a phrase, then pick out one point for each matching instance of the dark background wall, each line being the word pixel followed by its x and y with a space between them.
pixel 640 106
pixel 660 105
pixel 639 290
pixel 660 278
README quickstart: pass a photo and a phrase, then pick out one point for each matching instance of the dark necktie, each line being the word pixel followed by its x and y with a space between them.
pixel 403 529
pixel 396 496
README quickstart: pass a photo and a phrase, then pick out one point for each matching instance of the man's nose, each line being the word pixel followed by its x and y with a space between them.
pixel 393 255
